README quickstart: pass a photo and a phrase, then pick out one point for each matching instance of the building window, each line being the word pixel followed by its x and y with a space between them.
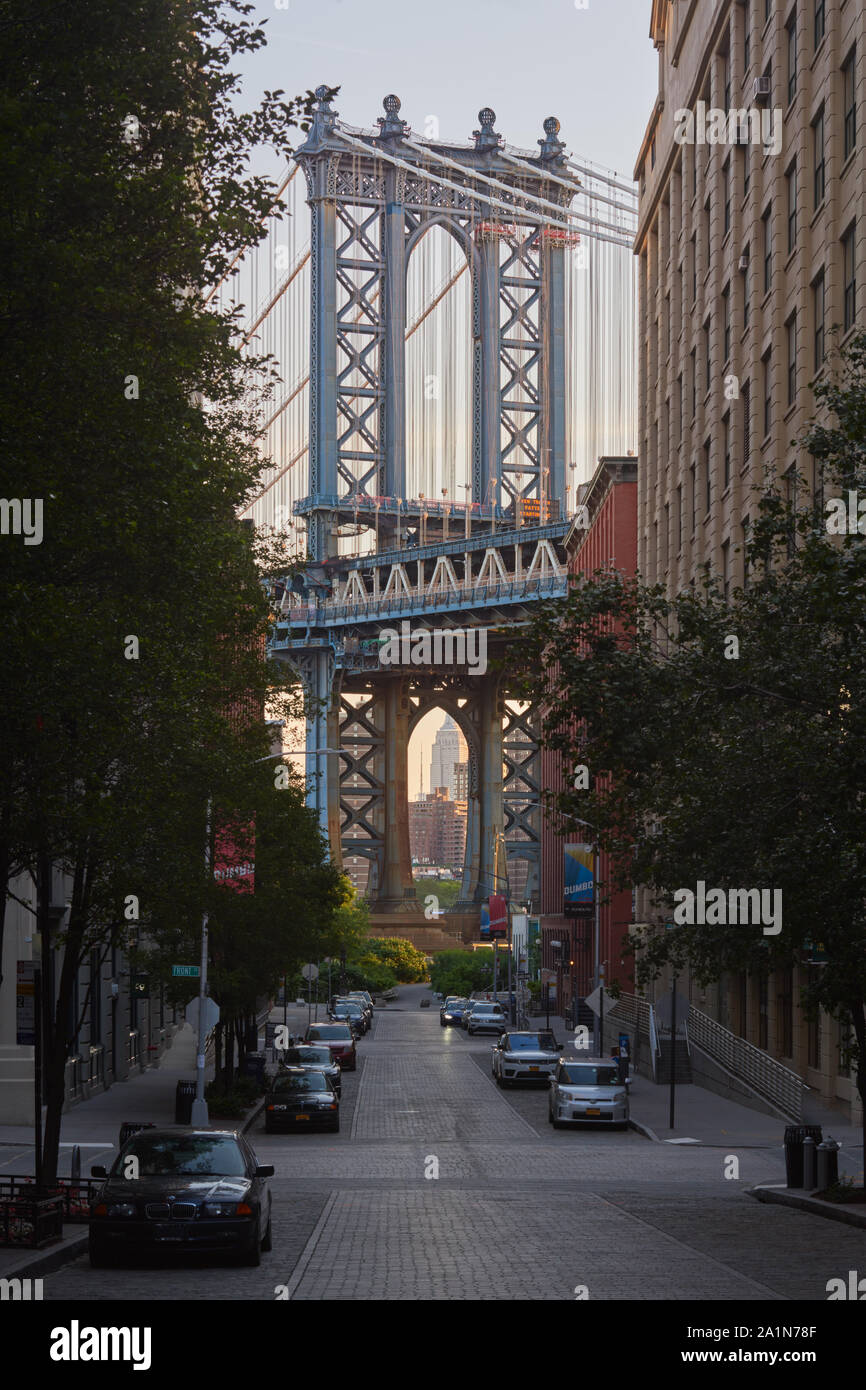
pixel 819 310
pixel 791 181
pixel 669 321
pixel 694 480
pixel 849 277
pixel 726 569
pixel 768 250
pixel 694 159
pixel 747 170
pixel 745 542
pixel 681 421
pixel 708 486
pixel 680 519
pixel 785 1013
pixel 707 366
pixel 820 22
pixel 694 382
pixel 694 267
pixel 849 101
pixel 745 397
pixel 768 10
pixel 791 333
pixel 726 79
pixel 726 196
pixel 768 393
pixel 818 147
pixel 726 322
pixel 726 446
pixel 747 38
pixel 792 57
pixel 653 153
pixel 747 289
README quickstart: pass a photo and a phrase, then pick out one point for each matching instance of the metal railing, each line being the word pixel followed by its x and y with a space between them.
pixel 28 1222
pixel 769 1078
pixel 133 1048
pixel 640 1015
pixel 447 598
pixel 73 1197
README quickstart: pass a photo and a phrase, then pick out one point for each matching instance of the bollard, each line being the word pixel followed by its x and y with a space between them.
pixel 828 1163
pixel 810 1163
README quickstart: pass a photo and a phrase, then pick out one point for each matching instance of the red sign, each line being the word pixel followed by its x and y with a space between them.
pixel 234 856
pixel 498 915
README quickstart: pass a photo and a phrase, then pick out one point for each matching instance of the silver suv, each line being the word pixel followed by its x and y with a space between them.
pixel 487 1018
pixel 588 1092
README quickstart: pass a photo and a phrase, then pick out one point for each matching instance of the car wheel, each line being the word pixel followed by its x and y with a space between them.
pixel 100 1258
pixel 557 1124
pixel 268 1239
pixel 252 1256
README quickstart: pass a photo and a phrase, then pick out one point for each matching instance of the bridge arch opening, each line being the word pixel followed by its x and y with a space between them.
pixel 439 344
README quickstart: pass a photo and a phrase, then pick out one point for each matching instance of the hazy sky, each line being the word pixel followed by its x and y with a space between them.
pixel 594 68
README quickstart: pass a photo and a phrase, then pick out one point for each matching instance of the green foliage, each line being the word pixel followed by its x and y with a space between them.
pixel 746 770
pixel 464 972
pixel 407 964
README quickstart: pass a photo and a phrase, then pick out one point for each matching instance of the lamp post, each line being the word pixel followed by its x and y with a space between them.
pixel 199 1115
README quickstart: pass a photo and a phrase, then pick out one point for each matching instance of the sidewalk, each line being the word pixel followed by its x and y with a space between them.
pixel 703 1117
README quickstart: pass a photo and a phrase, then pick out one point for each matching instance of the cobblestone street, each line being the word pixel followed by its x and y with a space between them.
pixel 517 1211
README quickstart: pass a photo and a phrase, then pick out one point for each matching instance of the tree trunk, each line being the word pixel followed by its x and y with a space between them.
pixel 58 1042
pixel 858 1020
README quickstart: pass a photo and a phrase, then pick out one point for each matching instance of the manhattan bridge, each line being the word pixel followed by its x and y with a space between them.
pixel 454 326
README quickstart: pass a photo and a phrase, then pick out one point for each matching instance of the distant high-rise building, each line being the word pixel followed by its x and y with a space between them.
pixel 449 748
pixel 437 831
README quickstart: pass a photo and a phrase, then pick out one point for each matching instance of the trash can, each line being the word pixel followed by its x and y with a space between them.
pixel 794 1136
pixel 133 1126
pixel 254 1066
pixel 183 1098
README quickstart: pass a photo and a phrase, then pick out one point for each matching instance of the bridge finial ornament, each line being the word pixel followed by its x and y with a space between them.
pixel 551 146
pixel 390 125
pixel 324 116
pixel 486 138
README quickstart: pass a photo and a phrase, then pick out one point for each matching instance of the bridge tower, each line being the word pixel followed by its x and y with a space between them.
pixel 434 566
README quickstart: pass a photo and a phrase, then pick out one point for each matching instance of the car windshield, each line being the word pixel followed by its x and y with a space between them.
pixel 170 1155
pixel 530 1042
pixel 487 1009
pixel 335 1032
pixel 347 1007
pixel 312 1081
pixel 302 1056
pixel 583 1074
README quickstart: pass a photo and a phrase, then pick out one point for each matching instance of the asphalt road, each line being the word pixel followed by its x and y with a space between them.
pixel 439 1186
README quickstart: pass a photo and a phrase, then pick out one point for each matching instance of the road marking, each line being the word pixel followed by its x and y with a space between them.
pixel 307 1253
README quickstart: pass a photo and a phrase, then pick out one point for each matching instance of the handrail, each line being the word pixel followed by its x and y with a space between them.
pixel 769 1078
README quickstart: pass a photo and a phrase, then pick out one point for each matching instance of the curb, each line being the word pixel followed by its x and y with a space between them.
pixel 47 1261
pixel 644 1130
pixel 784 1197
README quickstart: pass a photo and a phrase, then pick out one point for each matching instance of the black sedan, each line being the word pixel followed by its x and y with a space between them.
pixel 314 1059
pixel 300 1099
pixel 185 1190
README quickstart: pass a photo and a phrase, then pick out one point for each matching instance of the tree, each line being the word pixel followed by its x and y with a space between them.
pixel 408 964
pixel 467 972
pixel 134 624
pixel 745 767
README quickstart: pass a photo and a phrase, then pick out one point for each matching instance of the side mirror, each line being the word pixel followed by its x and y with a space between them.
pixel 264 1170
pixel 97 1170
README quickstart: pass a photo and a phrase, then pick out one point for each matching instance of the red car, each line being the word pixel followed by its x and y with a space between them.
pixel 339 1038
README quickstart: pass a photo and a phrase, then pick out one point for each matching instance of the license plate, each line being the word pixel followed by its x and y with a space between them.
pixel 302 1117
pixel 593 1112
pixel 533 1068
pixel 171 1231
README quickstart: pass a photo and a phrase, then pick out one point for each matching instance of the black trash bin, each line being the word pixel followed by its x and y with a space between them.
pixel 133 1126
pixel 794 1136
pixel 183 1098
pixel 254 1066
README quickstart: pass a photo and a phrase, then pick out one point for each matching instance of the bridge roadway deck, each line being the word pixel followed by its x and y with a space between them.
pixel 518 1211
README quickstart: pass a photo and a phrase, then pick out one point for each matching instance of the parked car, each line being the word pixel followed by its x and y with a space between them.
pixel 525 1057
pixel 350 1011
pixel 339 1038
pixel 467 1012
pixel 588 1092
pixel 314 1059
pixel 190 1189
pixel 452 1012
pixel 486 1018
pixel 301 1099
pixel 363 994
pixel 358 998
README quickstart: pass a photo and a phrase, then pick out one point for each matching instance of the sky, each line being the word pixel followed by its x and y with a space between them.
pixel 593 67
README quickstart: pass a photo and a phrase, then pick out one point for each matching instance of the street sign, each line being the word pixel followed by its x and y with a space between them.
pixel 191 971
pixel 310 972
pixel 211 1014
pixel 593 1002
pixel 25 1004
